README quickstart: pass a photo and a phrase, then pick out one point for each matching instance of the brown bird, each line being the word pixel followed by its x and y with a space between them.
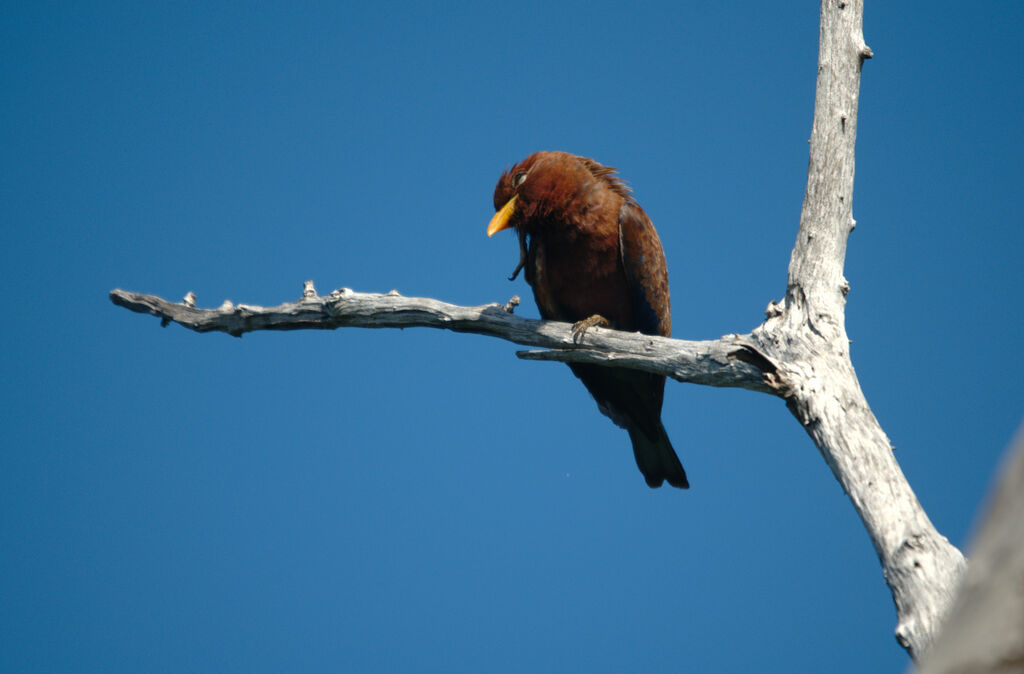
pixel 592 257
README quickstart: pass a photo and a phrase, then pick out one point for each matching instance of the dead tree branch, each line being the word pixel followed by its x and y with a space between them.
pixel 800 353
pixel 984 631
pixel 720 362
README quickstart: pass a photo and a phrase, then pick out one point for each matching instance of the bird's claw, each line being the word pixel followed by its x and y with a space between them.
pixel 522 257
pixel 519 268
pixel 579 328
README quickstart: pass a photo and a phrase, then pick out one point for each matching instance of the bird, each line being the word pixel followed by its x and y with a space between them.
pixel 592 257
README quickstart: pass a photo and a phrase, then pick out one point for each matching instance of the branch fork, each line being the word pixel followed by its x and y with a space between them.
pixel 800 353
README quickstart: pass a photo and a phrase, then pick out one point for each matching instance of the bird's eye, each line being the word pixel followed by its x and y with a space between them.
pixel 518 179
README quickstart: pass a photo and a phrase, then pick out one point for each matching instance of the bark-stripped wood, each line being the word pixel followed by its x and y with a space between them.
pixel 800 352
pixel 711 362
pixel 984 631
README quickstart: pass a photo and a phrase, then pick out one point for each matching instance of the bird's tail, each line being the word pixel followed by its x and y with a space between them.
pixel 656 459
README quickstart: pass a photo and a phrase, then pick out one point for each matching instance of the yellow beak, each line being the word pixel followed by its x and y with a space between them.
pixel 503 217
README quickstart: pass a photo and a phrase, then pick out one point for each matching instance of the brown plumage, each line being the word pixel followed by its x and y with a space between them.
pixel 590 250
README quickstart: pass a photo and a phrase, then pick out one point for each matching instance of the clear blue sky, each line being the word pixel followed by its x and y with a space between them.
pixel 424 501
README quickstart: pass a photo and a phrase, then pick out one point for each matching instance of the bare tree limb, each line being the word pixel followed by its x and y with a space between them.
pixel 984 632
pixel 800 353
pixel 807 337
pixel 720 362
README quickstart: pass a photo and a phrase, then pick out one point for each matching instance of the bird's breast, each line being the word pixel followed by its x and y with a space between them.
pixel 576 276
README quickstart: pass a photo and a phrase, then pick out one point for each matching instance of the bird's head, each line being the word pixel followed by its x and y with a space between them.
pixel 548 184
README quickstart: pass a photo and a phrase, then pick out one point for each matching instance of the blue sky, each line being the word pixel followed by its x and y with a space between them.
pixel 422 501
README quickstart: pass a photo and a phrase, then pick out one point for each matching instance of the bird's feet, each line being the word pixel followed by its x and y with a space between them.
pixel 519 268
pixel 579 328
pixel 522 257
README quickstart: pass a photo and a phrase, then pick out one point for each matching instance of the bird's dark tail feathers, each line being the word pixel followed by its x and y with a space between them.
pixel 656 459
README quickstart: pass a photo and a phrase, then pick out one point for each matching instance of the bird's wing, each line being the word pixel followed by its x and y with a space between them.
pixel 646 272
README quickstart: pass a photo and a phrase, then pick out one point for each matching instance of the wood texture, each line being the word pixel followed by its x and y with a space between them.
pixel 984 632
pixel 800 353
pixel 709 362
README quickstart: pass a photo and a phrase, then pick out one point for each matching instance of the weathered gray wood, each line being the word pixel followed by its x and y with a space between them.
pixel 984 632
pixel 710 362
pixel 806 337
pixel 800 353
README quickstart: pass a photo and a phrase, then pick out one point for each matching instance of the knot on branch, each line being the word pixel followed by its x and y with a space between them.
pixel 747 353
pixel 337 300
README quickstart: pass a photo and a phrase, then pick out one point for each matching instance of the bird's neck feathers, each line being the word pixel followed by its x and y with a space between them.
pixel 608 176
